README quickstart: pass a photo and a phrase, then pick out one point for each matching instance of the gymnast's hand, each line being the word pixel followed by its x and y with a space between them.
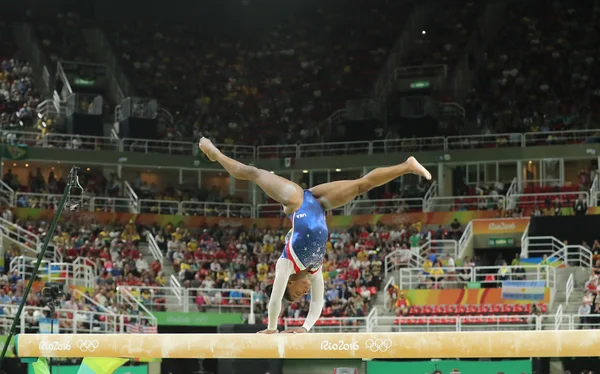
pixel 295 330
pixel 267 331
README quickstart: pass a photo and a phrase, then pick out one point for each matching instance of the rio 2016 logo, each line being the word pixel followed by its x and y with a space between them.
pixel 54 346
pixel 326 345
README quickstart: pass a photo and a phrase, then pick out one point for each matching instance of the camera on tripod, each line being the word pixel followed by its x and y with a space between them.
pixel 52 291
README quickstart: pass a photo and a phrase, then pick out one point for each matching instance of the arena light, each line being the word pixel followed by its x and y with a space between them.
pixel 473 344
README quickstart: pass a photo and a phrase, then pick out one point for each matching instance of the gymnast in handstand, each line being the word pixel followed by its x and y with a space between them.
pixel 298 270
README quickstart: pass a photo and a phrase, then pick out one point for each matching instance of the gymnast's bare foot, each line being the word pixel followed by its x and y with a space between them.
pixel 209 149
pixel 415 167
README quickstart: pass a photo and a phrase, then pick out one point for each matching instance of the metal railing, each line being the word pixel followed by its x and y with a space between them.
pixel 154 248
pixel 198 208
pixel 383 206
pixel 7 194
pixel 401 258
pixel 465 240
pixel 449 323
pixel 70 274
pixel 110 204
pixel 219 300
pixel 269 210
pixel 431 193
pixel 35 139
pixel 27 241
pixel 543 198
pixel 458 277
pixel 126 297
pixel 441 248
pixel 569 288
pixel 332 324
pixel 478 202
pixel 556 250
pixel 155 299
pixel 594 191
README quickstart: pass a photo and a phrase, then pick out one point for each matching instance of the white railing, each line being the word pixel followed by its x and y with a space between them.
pixel 594 191
pixel 478 202
pixel 172 147
pixel 155 299
pixel 220 300
pixel 512 189
pixel 386 295
pixel 65 141
pixel 46 201
pixel 485 141
pixel 458 277
pixel 525 242
pixel 465 240
pixel 401 258
pixel 372 320
pixel 383 206
pixel 7 194
pixel 558 318
pixel 198 208
pixel 27 241
pixel 70 274
pixel 98 306
pixel 573 255
pixel 441 248
pixel 110 204
pixel 535 139
pixel 158 206
pixel 176 289
pixel 124 296
pixel 269 210
pixel 69 321
pixel 35 139
pixel 408 145
pixel 431 193
pixel 491 322
pixel 154 248
pixel 569 288
pixel 134 202
pixel 331 324
pixel 539 199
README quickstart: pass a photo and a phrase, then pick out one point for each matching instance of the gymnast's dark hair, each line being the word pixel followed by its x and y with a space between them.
pixel 286 295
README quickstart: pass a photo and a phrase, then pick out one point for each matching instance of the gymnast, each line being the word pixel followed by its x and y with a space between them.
pixel 298 270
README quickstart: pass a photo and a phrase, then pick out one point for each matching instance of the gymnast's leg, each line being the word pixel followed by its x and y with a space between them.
pixel 336 194
pixel 279 189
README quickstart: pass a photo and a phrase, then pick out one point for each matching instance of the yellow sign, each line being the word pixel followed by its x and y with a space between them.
pixel 562 343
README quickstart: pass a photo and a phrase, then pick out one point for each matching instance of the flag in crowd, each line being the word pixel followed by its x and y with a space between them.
pixel 140 329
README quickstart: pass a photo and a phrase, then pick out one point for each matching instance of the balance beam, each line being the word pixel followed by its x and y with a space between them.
pixel 477 344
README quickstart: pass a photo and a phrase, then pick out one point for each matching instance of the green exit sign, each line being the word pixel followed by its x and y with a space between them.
pixel 418 85
pixel 501 242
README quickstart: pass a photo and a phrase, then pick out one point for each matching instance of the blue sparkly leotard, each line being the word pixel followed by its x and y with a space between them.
pixel 305 243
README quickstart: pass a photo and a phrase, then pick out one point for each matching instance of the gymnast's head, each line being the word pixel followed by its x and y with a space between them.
pixel 294 290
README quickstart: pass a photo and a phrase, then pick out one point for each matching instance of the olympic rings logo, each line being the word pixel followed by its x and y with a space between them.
pixel 378 345
pixel 87 345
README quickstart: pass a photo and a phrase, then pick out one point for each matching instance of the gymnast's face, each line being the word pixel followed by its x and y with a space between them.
pixel 298 288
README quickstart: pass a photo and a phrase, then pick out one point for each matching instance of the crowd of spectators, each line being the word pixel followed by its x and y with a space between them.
pixel 589 310
pixel 285 77
pixel 541 72
pixel 245 259
pixel 112 251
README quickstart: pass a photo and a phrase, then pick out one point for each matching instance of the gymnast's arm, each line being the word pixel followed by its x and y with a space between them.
pixel 317 298
pixel 283 269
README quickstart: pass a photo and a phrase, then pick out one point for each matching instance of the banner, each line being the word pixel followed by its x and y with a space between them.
pixel 197 319
pixel 470 296
pixel 15 152
pixel 46 327
pixel 500 226
pixel 72 369
pixel 451 366
pixel 523 290
pixel 334 222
